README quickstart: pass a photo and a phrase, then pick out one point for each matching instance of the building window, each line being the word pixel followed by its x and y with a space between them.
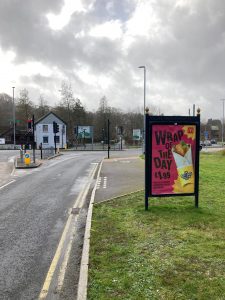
pixel 45 139
pixel 57 138
pixel 45 128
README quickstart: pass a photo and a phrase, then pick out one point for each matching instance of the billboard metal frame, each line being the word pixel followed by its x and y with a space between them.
pixel 169 120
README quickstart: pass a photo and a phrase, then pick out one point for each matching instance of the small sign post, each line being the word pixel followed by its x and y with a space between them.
pixel 27 158
pixel 136 134
pixel 172 156
pixel 206 135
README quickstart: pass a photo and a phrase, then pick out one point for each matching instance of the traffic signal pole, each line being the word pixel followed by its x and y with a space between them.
pixel 108 139
pixel 55 142
pixel 55 130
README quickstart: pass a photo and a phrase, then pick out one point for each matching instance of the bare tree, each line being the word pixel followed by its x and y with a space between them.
pixel 6 112
pixel 24 108
pixel 42 108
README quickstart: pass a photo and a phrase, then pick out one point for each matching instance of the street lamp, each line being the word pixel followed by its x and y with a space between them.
pixel 14 121
pixel 223 122
pixel 143 67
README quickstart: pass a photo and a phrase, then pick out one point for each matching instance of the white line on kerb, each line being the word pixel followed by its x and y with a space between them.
pixel 83 279
pixel 2 187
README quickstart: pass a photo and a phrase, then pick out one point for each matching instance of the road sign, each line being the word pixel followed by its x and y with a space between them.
pixel 27 158
pixel 85 132
pixel 206 134
pixel 2 141
pixel 136 134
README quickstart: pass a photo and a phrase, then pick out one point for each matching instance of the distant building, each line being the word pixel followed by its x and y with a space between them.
pixel 22 137
pixel 212 129
pixel 44 134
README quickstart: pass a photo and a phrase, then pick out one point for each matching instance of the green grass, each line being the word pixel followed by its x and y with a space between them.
pixel 172 251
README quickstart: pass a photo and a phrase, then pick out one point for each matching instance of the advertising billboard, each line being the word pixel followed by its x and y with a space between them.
pixel 172 156
pixel 85 132
pixel 136 134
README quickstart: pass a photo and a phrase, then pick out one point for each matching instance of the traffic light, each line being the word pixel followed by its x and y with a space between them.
pixel 29 125
pixel 120 130
pixel 55 127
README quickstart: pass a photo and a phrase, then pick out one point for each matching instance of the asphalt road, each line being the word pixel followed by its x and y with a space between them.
pixel 5 155
pixel 34 209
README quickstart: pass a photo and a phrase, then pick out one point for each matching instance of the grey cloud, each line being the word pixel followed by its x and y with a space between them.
pixel 194 52
pixel 186 62
pixel 31 38
pixel 18 18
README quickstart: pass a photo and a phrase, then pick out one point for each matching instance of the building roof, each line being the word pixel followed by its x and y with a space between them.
pixel 45 116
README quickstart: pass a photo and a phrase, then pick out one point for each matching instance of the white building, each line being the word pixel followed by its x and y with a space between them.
pixel 44 134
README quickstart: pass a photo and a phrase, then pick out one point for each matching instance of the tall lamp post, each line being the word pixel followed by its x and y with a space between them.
pixel 143 67
pixel 14 121
pixel 223 122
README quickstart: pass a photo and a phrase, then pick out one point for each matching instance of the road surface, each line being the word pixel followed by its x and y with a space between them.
pixel 36 222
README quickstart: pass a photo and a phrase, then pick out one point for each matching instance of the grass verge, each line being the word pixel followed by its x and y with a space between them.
pixel 172 251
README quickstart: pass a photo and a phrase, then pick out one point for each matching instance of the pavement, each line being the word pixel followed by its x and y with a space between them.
pixel 119 176
pixel 6 169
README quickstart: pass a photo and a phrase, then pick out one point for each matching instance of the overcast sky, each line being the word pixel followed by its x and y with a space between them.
pixel 97 45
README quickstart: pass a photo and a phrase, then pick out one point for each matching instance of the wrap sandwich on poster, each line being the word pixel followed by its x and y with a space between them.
pixel 183 158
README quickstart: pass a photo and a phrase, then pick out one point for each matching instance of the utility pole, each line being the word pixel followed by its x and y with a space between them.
pixel 14 121
pixel 223 122
pixel 103 138
pixel 108 139
pixel 144 68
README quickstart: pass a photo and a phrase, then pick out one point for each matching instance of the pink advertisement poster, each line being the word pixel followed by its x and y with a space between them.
pixel 173 159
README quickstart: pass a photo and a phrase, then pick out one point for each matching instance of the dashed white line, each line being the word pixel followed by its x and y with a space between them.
pixel 98 183
pixel 101 182
pixel 105 183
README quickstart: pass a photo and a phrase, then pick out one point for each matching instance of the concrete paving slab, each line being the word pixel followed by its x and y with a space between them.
pixel 120 176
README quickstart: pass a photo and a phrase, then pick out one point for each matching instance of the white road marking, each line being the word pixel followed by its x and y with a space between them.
pixel 98 183
pixel 2 187
pixel 83 278
pixel 105 183
pixel 101 183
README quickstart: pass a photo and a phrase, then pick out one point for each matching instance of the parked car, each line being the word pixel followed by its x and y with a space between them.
pixel 207 143
pixel 213 142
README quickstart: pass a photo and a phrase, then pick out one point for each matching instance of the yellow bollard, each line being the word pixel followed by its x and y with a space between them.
pixel 27 158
